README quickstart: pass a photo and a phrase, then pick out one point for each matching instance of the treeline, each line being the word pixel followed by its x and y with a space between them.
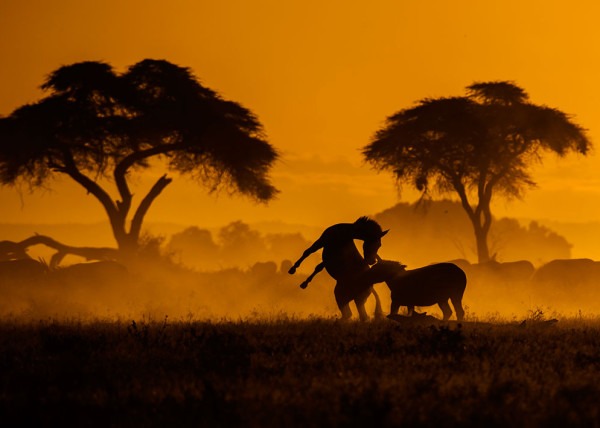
pixel 235 245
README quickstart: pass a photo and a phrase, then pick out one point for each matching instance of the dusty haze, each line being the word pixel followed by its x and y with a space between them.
pixel 240 271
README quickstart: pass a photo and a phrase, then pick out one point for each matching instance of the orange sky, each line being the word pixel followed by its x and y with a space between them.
pixel 321 76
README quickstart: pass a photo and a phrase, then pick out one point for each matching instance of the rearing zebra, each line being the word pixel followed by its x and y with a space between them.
pixel 343 262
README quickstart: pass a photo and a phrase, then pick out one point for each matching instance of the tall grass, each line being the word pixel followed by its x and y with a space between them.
pixel 291 372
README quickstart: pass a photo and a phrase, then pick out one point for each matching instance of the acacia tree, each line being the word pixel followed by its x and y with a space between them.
pixel 95 123
pixel 477 146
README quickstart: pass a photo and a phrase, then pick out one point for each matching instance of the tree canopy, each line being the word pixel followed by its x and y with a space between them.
pixel 476 146
pixel 95 123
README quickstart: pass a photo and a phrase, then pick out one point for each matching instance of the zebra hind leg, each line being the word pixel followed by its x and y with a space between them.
pixel 458 308
pixel 378 310
pixel 446 311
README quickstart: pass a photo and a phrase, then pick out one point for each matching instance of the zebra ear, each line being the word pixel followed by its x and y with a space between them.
pixel 384 233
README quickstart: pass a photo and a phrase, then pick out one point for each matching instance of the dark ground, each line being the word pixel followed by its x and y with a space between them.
pixel 316 372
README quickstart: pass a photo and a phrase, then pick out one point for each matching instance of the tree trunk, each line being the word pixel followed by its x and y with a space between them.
pixel 481 219
pixel 481 234
pixel 128 247
pixel 128 241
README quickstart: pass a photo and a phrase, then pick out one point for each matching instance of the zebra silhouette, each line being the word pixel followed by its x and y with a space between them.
pixel 343 262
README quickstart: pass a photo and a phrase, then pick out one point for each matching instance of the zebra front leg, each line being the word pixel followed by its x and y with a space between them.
pixel 318 269
pixel 346 312
pixel 360 301
pixel 314 247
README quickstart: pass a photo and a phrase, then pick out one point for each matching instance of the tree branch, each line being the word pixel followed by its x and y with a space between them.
pixel 140 213
pixel 117 221
pixel 129 160
pixel 89 253
pixel 464 200
pixel 90 185
pixel 121 169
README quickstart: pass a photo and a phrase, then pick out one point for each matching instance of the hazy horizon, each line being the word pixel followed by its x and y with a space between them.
pixel 578 234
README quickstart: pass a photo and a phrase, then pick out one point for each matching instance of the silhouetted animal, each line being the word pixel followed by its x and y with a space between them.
pixel 415 319
pixel 263 270
pixel 20 270
pixel 464 264
pixel 567 273
pixel 94 273
pixel 343 262
pixel 426 286
pixel 517 271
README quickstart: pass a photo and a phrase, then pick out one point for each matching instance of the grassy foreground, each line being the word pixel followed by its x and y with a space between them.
pixel 315 372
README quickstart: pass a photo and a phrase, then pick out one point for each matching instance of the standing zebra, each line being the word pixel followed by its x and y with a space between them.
pixel 425 286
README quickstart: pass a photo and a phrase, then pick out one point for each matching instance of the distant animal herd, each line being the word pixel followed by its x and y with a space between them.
pixel 23 271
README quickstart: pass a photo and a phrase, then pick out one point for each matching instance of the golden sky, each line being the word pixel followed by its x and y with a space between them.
pixel 322 76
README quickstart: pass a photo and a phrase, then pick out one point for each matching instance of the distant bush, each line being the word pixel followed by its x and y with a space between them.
pixel 236 245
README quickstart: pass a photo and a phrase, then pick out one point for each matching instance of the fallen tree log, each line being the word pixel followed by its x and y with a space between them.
pixel 10 250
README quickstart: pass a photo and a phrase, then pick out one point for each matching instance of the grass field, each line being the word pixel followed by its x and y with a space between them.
pixel 290 372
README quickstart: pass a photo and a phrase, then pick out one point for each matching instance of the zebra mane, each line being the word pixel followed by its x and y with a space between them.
pixel 369 226
pixel 391 264
pixel 386 270
pixel 364 220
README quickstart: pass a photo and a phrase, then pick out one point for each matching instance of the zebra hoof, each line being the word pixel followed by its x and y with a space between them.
pixel 292 270
pixel 304 285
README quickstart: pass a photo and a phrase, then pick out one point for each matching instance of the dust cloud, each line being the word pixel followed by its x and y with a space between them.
pixel 108 290
pixel 238 272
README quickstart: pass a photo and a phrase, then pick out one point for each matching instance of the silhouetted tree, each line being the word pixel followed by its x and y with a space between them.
pixel 96 123
pixel 476 145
